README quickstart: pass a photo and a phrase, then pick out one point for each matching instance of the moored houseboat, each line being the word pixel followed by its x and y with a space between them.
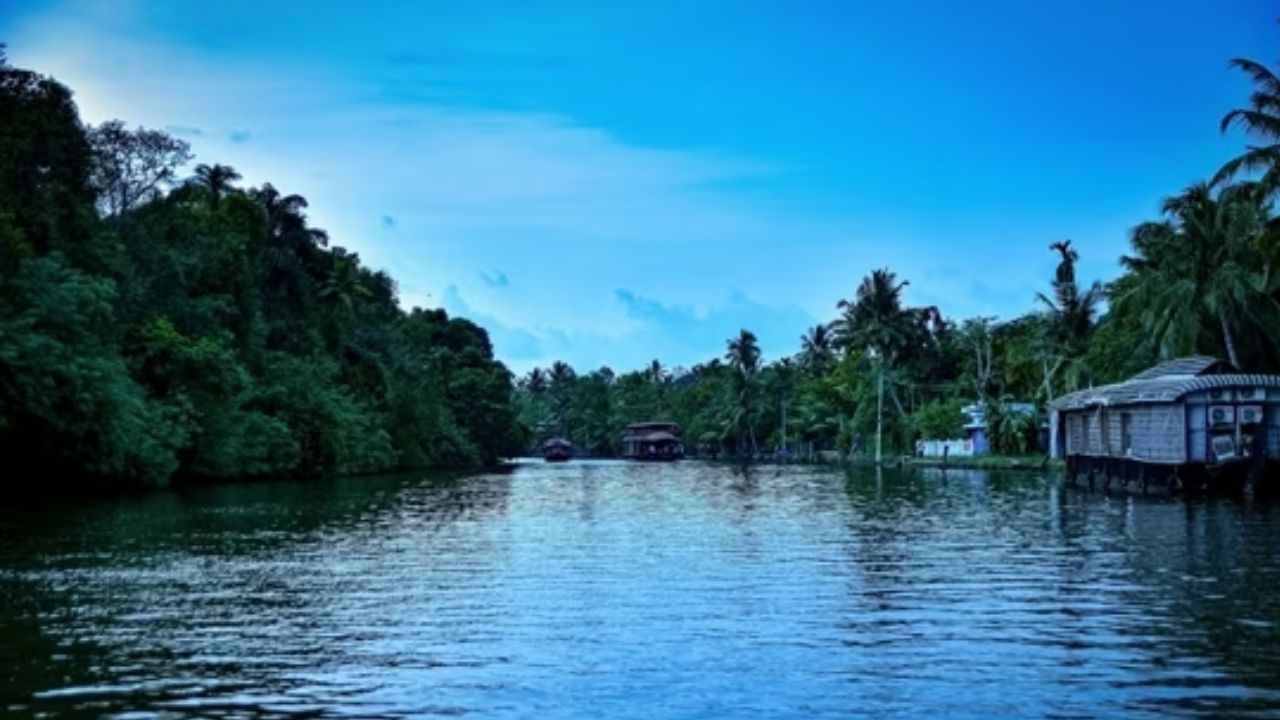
pixel 557 450
pixel 653 441
pixel 1195 423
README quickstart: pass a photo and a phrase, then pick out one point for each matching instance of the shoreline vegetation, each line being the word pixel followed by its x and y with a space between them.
pixel 1203 278
pixel 159 326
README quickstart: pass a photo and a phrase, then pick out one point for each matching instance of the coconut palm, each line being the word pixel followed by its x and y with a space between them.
pixel 536 382
pixel 1067 267
pixel 216 180
pixel 561 373
pixel 1198 278
pixel 743 354
pixel 284 212
pixel 816 347
pixel 1261 119
pixel 1071 317
pixel 657 374
pixel 343 286
pixel 1072 314
pixel 561 380
pixel 291 252
pixel 874 320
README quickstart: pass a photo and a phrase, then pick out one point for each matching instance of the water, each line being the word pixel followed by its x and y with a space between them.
pixel 610 590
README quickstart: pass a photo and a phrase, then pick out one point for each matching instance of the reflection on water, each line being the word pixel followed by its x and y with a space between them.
pixel 598 589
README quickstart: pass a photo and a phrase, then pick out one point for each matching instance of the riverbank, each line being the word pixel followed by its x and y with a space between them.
pixel 990 462
pixel 979 462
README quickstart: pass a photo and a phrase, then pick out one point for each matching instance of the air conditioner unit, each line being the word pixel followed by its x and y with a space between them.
pixel 1224 447
pixel 1222 415
pixel 1249 414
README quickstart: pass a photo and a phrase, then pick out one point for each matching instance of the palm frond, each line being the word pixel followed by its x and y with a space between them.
pixel 1254 122
pixel 1255 158
pixel 1260 73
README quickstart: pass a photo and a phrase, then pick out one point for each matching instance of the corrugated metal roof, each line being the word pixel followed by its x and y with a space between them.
pixel 1166 388
pixel 1191 365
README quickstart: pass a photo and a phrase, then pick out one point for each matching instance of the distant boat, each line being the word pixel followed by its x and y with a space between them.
pixel 653 441
pixel 557 450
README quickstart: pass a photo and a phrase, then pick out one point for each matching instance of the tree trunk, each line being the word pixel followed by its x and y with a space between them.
pixel 1228 340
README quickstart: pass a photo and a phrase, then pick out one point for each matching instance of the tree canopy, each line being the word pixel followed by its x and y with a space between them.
pixel 155 327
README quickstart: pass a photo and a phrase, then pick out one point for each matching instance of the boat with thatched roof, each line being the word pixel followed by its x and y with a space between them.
pixel 557 450
pixel 653 441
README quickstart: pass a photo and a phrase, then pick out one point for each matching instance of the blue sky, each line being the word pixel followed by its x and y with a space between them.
pixel 614 182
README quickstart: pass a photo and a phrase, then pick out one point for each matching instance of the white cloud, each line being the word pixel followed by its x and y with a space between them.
pixel 442 195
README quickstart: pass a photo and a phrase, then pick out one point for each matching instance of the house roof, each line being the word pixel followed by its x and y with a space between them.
pixel 1166 382
pixel 1192 365
pixel 557 442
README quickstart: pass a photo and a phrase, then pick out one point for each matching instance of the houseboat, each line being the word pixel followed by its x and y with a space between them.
pixel 1195 423
pixel 653 441
pixel 557 450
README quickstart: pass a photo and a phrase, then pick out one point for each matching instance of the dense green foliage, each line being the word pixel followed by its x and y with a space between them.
pixel 152 329
pixel 1204 279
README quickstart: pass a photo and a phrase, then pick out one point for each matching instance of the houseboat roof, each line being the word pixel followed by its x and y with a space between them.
pixel 1191 366
pixel 657 436
pixel 1166 382
pixel 654 426
pixel 557 442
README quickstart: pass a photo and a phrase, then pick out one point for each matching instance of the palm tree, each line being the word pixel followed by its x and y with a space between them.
pixel 816 347
pixel 657 374
pixel 343 286
pixel 561 388
pixel 291 253
pixel 1072 316
pixel 284 212
pixel 561 373
pixel 1261 120
pixel 1198 277
pixel 216 180
pixel 743 354
pixel 1067 267
pixel 874 320
pixel 536 382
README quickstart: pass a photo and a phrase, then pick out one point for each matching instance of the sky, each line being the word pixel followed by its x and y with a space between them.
pixel 609 183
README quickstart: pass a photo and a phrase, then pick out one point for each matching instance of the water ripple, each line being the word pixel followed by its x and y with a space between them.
pixel 600 589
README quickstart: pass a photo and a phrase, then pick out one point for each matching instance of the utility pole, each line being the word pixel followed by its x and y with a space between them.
pixel 879 410
pixel 784 428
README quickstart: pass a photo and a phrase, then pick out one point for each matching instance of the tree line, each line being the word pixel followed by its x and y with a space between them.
pixel 1201 278
pixel 155 327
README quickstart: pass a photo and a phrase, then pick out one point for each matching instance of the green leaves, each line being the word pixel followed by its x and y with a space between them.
pixel 207 332
pixel 1199 280
pixel 68 406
